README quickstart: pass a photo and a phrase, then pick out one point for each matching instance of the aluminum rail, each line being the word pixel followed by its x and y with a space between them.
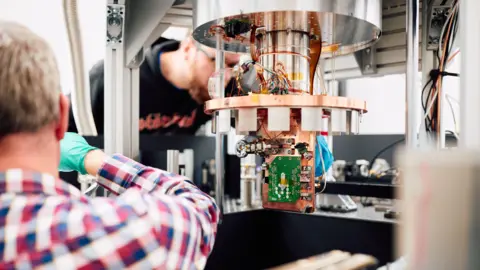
pixel 412 87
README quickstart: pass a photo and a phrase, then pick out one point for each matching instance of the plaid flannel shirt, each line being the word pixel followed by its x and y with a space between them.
pixel 158 221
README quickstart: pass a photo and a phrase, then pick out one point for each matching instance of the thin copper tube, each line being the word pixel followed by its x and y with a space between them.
pixel 315 53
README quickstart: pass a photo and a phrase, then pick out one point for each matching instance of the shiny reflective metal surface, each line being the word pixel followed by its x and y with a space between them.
pixel 292 49
pixel 352 24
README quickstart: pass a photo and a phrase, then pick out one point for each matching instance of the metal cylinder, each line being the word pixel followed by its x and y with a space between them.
pixel 412 87
pixel 290 49
pixel 248 175
pixel 247 192
pixel 351 24
pixel 173 161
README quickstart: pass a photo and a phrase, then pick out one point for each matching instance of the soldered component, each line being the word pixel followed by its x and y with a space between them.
pixel 284 184
pixel 307 155
pixel 306 174
pixel 237 27
pixel 306 169
pixel 301 147
pixel 243 148
pixel 305 186
pixel 306 196
pixel 265 147
pixel 305 178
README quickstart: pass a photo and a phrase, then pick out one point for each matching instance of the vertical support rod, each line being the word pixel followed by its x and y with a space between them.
pixel 219 144
pixel 173 161
pixel 429 62
pixel 122 88
pixel 114 81
pixel 412 93
pixel 469 79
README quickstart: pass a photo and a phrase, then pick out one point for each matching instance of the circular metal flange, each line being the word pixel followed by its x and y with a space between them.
pixel 350 24
pixel 291 101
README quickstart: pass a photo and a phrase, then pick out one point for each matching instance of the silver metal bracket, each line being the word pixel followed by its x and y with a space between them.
pixel 115 25
pixel 437 17
pixel 367 60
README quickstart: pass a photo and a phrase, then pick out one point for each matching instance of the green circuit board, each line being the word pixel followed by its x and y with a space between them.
pixel 284 179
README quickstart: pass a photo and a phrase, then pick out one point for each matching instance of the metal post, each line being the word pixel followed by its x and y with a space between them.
pixel 219 138
pixel 412 90
pixel 173 161
pixel 114 79
pixel 429 62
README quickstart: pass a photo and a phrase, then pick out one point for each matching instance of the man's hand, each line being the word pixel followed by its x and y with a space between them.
pixel 73 150
pixel 326 154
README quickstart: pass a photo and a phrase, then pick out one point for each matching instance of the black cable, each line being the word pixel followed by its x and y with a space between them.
pixel 383 150
pixel 425 104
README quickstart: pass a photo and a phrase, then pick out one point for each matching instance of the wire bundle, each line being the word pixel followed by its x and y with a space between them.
pixel 430 98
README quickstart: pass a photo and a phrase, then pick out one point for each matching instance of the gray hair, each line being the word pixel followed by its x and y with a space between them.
pixel 29 81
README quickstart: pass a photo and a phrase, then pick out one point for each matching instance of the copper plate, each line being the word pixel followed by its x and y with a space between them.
pixel 293 101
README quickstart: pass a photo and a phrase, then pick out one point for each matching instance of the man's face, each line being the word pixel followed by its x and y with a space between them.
pixel 203 67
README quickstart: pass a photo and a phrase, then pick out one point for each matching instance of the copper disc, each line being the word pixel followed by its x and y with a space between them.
pixel 292 101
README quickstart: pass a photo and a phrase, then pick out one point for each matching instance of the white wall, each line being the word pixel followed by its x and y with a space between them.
pixel 46 18
pixel 385 98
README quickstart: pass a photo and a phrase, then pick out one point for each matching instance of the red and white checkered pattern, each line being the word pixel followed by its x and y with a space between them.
pixel 158 221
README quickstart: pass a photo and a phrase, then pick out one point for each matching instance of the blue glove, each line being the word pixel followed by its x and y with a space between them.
pixel 73 149
pixel 326 154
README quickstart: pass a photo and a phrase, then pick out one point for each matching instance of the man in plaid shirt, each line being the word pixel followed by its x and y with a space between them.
pixel 158 220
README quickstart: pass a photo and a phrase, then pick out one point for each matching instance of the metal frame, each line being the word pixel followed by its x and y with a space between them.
pixel 141 26
pixel 412 97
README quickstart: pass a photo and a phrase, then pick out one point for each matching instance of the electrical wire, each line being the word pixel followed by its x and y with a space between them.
pixel 453 112
pixel 449 100
pixel 430 102
pixel 382 151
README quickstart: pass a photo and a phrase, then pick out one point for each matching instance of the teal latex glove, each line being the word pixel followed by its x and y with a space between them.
pixel 326 154
pixel 73 149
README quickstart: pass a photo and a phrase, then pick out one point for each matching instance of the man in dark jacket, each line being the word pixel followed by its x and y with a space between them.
pixel 173 87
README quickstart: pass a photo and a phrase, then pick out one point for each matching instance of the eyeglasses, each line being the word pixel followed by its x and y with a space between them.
pixel 211 58
pixel 199 48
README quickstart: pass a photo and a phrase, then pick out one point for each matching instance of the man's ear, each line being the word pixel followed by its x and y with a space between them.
pixel 186 45
pixel 62 125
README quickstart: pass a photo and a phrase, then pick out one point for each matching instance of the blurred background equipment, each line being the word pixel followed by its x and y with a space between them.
pixel 291 88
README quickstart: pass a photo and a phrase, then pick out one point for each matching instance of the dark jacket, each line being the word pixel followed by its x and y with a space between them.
pixel 164 109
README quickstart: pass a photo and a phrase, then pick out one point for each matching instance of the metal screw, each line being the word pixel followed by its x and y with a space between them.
pixel 367 50
pixel 367 67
